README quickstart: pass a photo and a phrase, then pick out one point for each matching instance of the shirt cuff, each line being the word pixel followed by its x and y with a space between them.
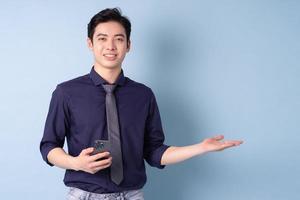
pixel 45 149
pixel 158 155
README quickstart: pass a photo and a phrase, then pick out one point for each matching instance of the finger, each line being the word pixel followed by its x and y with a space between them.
pixel 87 151
pixel 101 163
pixel 99 156
pixel 100 168
pixel 229 144
pixel 235 142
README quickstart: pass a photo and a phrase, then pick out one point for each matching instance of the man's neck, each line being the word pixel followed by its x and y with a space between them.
pixel 110 75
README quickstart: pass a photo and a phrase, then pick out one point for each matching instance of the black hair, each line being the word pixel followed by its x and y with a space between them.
pixel 106 15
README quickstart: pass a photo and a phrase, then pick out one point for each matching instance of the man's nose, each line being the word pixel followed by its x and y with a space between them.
pixel 111 45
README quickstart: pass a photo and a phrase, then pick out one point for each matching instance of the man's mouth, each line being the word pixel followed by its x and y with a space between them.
pixel 110 55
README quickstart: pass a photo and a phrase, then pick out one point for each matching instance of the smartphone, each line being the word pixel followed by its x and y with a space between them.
pixel 100 146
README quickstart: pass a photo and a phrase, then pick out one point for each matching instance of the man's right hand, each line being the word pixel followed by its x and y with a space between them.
pixel 91 163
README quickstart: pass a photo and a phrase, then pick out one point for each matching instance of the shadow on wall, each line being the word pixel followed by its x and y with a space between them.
pixel 170 65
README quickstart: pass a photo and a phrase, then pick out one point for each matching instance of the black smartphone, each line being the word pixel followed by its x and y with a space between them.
pixel 100 146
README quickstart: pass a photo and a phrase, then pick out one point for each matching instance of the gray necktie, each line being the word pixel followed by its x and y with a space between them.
pixel 116 169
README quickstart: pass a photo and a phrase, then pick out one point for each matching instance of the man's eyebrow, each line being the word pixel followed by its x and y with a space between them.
pixel 120 34
pixel 116 35
pixel 101 34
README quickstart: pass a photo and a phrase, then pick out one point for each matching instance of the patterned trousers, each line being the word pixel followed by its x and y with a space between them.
pixel 78 194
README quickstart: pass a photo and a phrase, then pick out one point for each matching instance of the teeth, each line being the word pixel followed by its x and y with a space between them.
pixel 110 55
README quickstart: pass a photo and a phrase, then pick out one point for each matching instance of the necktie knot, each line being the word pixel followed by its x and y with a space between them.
pixel 109 88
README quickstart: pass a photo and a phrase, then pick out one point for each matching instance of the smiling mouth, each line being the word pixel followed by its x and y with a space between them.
pixel 110 55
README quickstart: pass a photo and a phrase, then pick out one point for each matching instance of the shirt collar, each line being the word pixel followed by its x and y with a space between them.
pixel 98 80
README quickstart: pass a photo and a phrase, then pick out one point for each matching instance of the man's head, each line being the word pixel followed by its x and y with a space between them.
pixel 109 38
pixel 106 15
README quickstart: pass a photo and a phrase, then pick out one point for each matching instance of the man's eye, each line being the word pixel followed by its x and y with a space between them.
pixel 120 39
pixel 102 39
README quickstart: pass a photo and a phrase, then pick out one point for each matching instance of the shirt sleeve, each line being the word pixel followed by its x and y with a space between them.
pixel 154 146
pixel 57 123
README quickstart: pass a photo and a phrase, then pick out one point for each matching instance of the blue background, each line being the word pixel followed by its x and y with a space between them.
pixel 229 67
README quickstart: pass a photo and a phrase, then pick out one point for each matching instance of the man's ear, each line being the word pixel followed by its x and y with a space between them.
pixel 89 43
pixel 128 45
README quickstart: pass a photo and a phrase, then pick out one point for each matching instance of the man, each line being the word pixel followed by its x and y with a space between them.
pixel 107 107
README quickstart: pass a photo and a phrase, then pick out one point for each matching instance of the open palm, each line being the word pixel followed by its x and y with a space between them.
pixel 216 143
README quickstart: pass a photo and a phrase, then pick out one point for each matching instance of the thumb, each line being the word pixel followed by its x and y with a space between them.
pixel 219 137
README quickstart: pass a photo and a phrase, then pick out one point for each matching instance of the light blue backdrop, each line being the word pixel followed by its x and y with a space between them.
pixel 229 67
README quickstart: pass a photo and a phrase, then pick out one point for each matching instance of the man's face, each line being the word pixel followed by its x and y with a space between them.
pixel 109 45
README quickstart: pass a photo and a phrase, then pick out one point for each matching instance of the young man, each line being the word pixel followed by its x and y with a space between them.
pixel 121 116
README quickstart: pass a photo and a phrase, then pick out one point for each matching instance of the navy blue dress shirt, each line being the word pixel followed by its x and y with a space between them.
pixel 77 114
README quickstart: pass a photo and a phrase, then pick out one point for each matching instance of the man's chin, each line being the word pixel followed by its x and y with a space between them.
pixel 113 67
pixel 110 67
